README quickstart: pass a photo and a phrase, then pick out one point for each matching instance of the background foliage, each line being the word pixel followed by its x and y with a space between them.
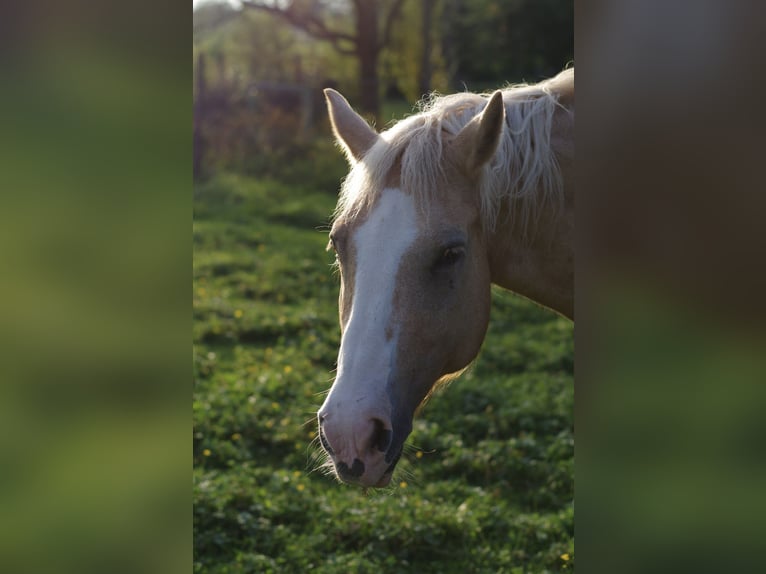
pixel 258 79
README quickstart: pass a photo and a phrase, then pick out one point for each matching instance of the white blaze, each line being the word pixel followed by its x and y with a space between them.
pixel 364 360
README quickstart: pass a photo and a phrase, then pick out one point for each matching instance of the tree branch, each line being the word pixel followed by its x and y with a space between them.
pixel 309 23
pixel 392 15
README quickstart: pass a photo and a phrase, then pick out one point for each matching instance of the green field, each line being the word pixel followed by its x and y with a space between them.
pixel 487 483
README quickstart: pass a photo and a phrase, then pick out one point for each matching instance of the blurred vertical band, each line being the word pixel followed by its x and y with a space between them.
pixel 670 283
pixel 95 268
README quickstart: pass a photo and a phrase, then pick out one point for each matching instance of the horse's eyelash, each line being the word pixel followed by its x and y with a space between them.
pixel 335 267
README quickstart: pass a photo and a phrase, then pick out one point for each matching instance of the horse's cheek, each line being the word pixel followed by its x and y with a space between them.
pixel 474 320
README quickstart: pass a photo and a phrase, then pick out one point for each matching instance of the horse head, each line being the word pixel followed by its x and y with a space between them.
pixel 415 279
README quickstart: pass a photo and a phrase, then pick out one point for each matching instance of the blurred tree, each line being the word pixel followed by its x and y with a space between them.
pixel 426 25
pixel 512 40
pixel 248 59
pixel 209 17
pixel 413 63
pixel 366 42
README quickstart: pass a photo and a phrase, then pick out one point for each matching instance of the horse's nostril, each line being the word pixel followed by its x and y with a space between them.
pixel 356 470
pixel 381 436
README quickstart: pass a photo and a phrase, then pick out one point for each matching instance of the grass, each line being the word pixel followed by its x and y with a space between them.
pixel 487 482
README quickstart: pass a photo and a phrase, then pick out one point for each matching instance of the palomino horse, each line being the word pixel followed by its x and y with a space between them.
pixel 472 190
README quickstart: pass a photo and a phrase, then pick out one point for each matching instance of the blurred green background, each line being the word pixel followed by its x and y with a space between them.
pixel 95 267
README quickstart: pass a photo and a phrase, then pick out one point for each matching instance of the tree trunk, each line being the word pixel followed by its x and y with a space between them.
pixel 426 70
pixel 366 42
pixel 368 51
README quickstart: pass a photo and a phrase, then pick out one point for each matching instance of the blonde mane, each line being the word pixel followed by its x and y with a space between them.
pixel 523 171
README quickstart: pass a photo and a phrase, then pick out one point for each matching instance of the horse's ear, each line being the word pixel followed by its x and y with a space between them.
pixel 352 132
pixel 478 140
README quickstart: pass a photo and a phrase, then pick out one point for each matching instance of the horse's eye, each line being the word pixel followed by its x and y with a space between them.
pixel 332 246
pixel 450 256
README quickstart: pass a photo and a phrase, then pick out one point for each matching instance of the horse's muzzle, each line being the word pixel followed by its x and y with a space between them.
pixel 360 448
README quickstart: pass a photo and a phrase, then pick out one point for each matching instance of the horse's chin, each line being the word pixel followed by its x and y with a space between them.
pixel 383 482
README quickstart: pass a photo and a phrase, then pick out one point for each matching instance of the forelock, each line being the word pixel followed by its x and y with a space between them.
pixel 524 167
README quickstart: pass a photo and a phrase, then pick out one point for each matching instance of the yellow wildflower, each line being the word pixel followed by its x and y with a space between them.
pixel 238 313
pixel 206 452
pixel 565 557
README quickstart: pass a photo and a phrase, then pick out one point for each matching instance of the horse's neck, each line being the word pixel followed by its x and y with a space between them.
pixel 543 269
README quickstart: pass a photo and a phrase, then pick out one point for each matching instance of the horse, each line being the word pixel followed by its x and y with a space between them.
pixel 473 190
